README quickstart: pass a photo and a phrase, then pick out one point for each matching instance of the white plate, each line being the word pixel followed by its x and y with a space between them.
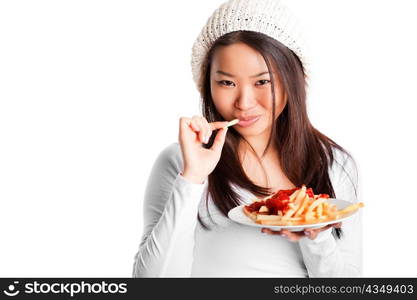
pixel 236 214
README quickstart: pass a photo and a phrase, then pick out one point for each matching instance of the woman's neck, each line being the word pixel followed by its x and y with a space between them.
pixel 257 148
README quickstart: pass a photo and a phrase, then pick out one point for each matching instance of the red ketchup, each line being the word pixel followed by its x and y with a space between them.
pixel 310 192
pixel 255 206
pixel 279 202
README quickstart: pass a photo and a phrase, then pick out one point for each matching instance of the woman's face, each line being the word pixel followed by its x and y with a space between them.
pixel 241 88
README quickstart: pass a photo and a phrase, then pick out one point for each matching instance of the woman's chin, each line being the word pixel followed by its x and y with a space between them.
pixel 253 131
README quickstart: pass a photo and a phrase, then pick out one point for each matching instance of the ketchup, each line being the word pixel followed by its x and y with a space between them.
pixel 279 201
pixel 255 206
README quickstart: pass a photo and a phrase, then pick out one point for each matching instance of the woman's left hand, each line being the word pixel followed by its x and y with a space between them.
pixel 294 236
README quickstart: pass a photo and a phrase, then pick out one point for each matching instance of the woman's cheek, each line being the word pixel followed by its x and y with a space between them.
pixel 266 100
pixel 222 101
pixel 223 107
pixel 216 93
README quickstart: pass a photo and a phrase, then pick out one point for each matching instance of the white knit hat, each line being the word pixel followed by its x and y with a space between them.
pixel 270 17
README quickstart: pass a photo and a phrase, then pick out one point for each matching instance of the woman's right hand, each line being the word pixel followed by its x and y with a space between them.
pixel 199 162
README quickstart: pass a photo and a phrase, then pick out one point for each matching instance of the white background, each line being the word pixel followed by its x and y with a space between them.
pixel 91 92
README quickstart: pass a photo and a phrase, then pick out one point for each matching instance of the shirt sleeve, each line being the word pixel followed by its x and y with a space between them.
pixel 170 216
pixel 328 256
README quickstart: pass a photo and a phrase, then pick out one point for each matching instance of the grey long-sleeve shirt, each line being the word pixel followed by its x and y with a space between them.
pixel 174 244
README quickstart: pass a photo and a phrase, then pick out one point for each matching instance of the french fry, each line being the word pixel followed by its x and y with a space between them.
pixel 294 195
pixel 233 122
pixel 302 206
pixel 298 201
pixel 308 217
pixel 268 217
pixel 315 204
pixel 264 209
pixel 288 214
pixel 295 202
pixel 350 208
pixel 331 211
pixel 275 223
pixel 295 219
pixel 320 210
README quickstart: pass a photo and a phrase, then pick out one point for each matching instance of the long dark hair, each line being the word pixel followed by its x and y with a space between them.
pixel 305 153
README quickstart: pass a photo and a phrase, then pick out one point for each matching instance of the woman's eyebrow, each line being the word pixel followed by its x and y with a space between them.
pixel 224 73
pixel 231 75
pixel 260 74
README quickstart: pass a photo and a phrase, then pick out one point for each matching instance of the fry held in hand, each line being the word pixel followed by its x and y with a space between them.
pixel 299 206
pixel 233 122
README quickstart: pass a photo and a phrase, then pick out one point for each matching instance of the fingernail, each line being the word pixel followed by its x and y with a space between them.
pixel 283 235
pixel 206 139
pixel 307 232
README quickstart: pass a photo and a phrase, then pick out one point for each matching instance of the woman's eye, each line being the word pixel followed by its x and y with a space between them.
pixel 262 82
pixel 226 83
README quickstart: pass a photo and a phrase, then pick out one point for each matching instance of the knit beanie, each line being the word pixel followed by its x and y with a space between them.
pixel 270 17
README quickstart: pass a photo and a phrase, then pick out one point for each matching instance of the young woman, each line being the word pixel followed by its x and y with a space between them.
pixel 249 65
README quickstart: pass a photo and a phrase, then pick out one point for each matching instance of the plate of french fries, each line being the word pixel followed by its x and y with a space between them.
pixel 294 210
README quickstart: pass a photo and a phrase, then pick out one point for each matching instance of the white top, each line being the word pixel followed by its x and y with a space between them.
pixel 174 244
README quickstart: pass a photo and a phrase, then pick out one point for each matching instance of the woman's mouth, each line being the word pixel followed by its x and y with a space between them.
pixel 248 121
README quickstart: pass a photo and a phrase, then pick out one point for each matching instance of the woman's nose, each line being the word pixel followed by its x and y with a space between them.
pixel 246 99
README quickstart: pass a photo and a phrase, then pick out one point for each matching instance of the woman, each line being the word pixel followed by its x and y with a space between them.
pixel 248 65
